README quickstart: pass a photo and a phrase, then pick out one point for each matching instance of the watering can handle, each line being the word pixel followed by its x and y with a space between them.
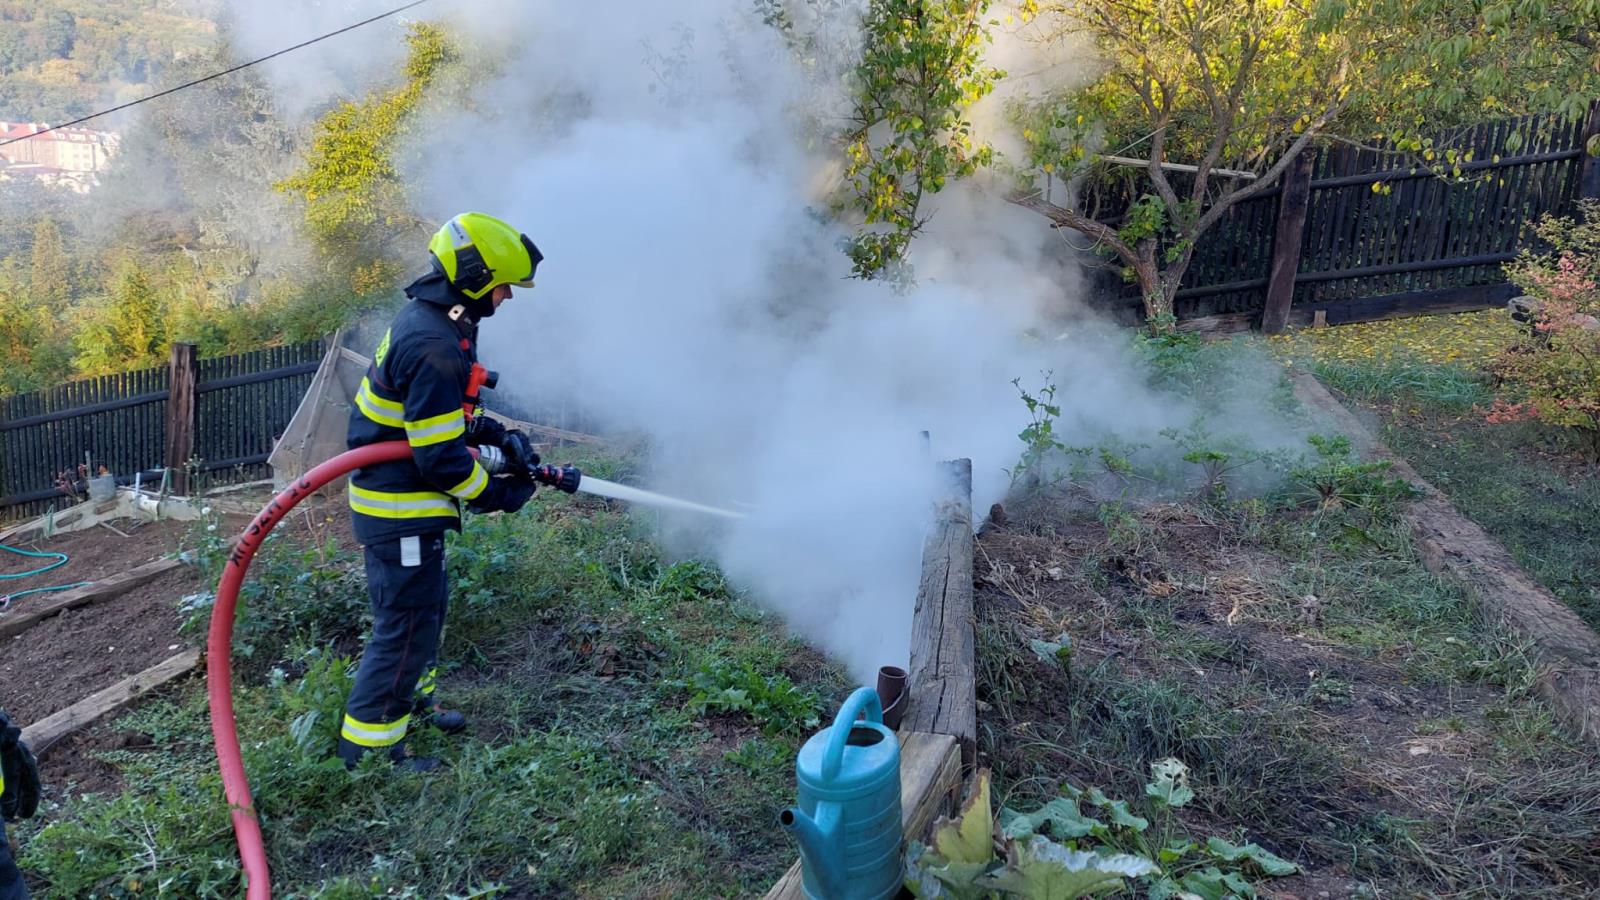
pixel 833 756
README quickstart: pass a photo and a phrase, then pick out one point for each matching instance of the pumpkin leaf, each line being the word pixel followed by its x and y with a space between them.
pixel 970 838
pixel 1045 870
pixel 1268 862
pixel 1169 784
pixel 1059 819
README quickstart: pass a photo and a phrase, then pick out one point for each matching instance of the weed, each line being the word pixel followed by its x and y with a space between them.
pixel 771 701
pixel 1332 478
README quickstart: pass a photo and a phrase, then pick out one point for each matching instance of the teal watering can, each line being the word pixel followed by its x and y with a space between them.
pixel 848 818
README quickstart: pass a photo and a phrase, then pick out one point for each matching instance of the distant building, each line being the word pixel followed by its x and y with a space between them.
pixel 71 157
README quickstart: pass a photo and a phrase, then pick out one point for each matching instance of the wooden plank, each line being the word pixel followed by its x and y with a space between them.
pixel 20 619
pixel 930 786
pixel 942 684
pixel 1565 650
pixel 558 434
pixel 1286 243
pixel 42 734
pixel 1589 173
pixel 181 413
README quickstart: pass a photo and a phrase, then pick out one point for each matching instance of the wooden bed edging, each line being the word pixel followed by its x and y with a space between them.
pixel 19 619
pixel 1564 648
pixel 47 731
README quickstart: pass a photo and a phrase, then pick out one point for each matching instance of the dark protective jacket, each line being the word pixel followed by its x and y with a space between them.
pixel 414 392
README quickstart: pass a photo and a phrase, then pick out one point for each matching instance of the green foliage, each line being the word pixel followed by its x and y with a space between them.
pixel 921 69
pixel 126 330
pixel 1460 63
pixel 1202 82
pixel 64 58
pixel 354 198
pixel 1059 853
pixel 1040 446
pixel 300 594
pixel 771 701
pixel 49 279
pixel 1554 376
pixel 575 781
pixel 1333 478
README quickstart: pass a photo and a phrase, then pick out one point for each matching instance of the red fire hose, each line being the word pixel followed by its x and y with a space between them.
pixel 219 647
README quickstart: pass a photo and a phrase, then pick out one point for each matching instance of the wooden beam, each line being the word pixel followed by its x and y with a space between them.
pixel 942 686
pixel 1286 243
pixel 1367 309
pixel 548 431
pixel 19 619
pixel 1589 168
pixel 1179 167
pixel 42 734
pixel 1565 650
pixel 185 374
pixel 930 786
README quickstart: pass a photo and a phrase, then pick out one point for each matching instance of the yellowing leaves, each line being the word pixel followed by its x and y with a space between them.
pixel 1471 339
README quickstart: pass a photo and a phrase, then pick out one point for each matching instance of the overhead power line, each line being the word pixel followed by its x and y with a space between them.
pixel 216 75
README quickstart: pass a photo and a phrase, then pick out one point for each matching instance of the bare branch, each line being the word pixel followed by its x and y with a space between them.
pixel 1070 218
pixel 1271 176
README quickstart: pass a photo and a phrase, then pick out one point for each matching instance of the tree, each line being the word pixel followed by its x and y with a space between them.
pixel 1228 87
pixel 127 329
pixel 49 279
pixel 913 68
pixel 1220 85
pixel 27 336
pixel 1461 63
pixel 355 202
pixel 921 69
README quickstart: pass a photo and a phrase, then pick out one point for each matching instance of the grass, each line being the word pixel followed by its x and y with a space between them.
pixel 1334 701
pixel 607 756
pixel 1291 728
pixel 1520 481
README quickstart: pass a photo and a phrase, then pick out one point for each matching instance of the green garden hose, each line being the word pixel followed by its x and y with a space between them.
pixel 60 559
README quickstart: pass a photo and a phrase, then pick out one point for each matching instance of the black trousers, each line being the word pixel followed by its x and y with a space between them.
pixel 11 886
pixel 409 592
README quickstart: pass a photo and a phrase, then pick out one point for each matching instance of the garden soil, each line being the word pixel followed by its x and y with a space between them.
pixel 1034 583
pixel 67 657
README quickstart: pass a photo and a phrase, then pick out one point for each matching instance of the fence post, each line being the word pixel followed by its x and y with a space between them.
pixel 1589 172
pixel 185 373
pixel 1286 242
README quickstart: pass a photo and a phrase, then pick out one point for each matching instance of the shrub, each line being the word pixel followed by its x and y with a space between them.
pixel 1553 375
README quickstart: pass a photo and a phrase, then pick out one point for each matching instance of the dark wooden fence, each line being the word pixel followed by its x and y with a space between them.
pixel 1363 233
pixel 223 412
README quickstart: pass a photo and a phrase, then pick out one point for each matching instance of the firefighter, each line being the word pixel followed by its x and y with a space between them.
pixel 415 390
pixel 19 798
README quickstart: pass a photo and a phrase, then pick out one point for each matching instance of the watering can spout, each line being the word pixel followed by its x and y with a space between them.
pixel 820 844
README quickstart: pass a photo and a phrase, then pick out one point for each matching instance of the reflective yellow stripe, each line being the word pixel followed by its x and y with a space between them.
pixel 436 429
pixel 473 485
pixel 384 412
pixel 426 685
pixel 403 505
pixel 382 734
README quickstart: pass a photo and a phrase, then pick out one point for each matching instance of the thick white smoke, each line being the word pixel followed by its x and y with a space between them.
pixel 665 159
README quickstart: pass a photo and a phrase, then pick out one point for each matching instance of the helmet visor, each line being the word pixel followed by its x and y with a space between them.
pixel 534 258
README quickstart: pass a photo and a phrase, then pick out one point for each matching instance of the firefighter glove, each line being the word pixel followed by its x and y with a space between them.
pixel 504 495
pixel 520 455
pixel 483 431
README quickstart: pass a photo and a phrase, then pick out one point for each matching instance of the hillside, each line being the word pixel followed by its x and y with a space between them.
pixel 64 58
